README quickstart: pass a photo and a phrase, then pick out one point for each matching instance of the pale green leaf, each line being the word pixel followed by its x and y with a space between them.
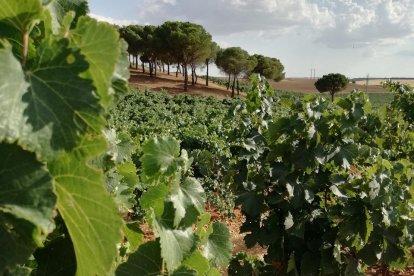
pixel 160 156
pixel 184 271
pixel 154 199
pixel 27 204
pixel 176 245
pixel 218 248
pixel 12 88
pixel 120 77
pixel 134 235
pixel 146 261
pixel 197 262
pixel 187 194
pixel 89 212
pixel 100 44
pixel 58 10
pixel 21 14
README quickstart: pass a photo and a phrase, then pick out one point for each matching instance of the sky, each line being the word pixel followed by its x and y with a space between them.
pixel 353 37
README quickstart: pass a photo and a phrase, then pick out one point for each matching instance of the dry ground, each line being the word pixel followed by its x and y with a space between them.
pixel 174 85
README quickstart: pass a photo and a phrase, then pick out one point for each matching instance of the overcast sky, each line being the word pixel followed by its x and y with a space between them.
pixel 352 37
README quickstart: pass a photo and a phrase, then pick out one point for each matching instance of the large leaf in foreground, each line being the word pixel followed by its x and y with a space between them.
pixel 27 203
pixel 218 247
pixel 20 14
pixel 12 88
pixel 61 105
pixel 145 261
pixel 89 212
pixel 99 43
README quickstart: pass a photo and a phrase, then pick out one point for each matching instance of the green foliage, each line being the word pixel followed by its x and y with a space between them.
pixel 270 68
pixel 174 202
pixel 53 100
pixel 198 122
pixel 331 83
pixel 322 186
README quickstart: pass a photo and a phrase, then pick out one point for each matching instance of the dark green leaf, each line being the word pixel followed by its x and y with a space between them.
pixel 146 261
pixel 218 248
pixel 27 203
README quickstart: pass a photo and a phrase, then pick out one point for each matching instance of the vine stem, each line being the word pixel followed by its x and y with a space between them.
pixel 25 47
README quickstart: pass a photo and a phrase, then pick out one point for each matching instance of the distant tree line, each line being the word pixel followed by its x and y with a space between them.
pixel 189 46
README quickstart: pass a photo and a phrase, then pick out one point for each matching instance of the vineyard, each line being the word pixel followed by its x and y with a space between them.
pixel 325 188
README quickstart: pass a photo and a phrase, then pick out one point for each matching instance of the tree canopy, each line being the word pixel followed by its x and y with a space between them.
pixel 188 44
pixel 235 61
pixel 270 68
pixel 332 83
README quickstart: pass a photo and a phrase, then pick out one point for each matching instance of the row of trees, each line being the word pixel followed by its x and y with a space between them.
pixel 188 46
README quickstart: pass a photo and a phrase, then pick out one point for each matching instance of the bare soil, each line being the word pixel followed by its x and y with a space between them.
pixel 175 85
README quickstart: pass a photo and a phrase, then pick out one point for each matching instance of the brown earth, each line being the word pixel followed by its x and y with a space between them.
pixel 175 85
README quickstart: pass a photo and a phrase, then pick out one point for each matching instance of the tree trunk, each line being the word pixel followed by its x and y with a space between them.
pixel 185 70
pixel 155 65
pixel 234 85
pixel 332 96
pixel 192 75
pixel 143 67
pixel 185 77
pixel 228 83
pixel 150 68
pixel 136 62
pixel 178 69
pixel 168 67
pixel 238 87
pixel 163 68
pixel 207 74
pixel 129 59
pixel 196 77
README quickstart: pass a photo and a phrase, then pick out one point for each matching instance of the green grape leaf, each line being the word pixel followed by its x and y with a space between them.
pixel 89 212
pixel 21 14
pixel 184 271
pixel 145 261
pixel 176 245
pixel 160 156
pixel 154 199
pixel 218 248
pixel 58 10
pixel 197 262
pixel 129 173
pixel 134 235
pixel 184 195
pixel 27 204
pixel 59 105
pixel 120 146
pixel 99 43
pixel 120 77
pixel 11 91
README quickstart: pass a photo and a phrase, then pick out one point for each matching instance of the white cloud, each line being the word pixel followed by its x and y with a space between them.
pixel 369 23
pixel 111 20
pixel 223 17
pixel 337 24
